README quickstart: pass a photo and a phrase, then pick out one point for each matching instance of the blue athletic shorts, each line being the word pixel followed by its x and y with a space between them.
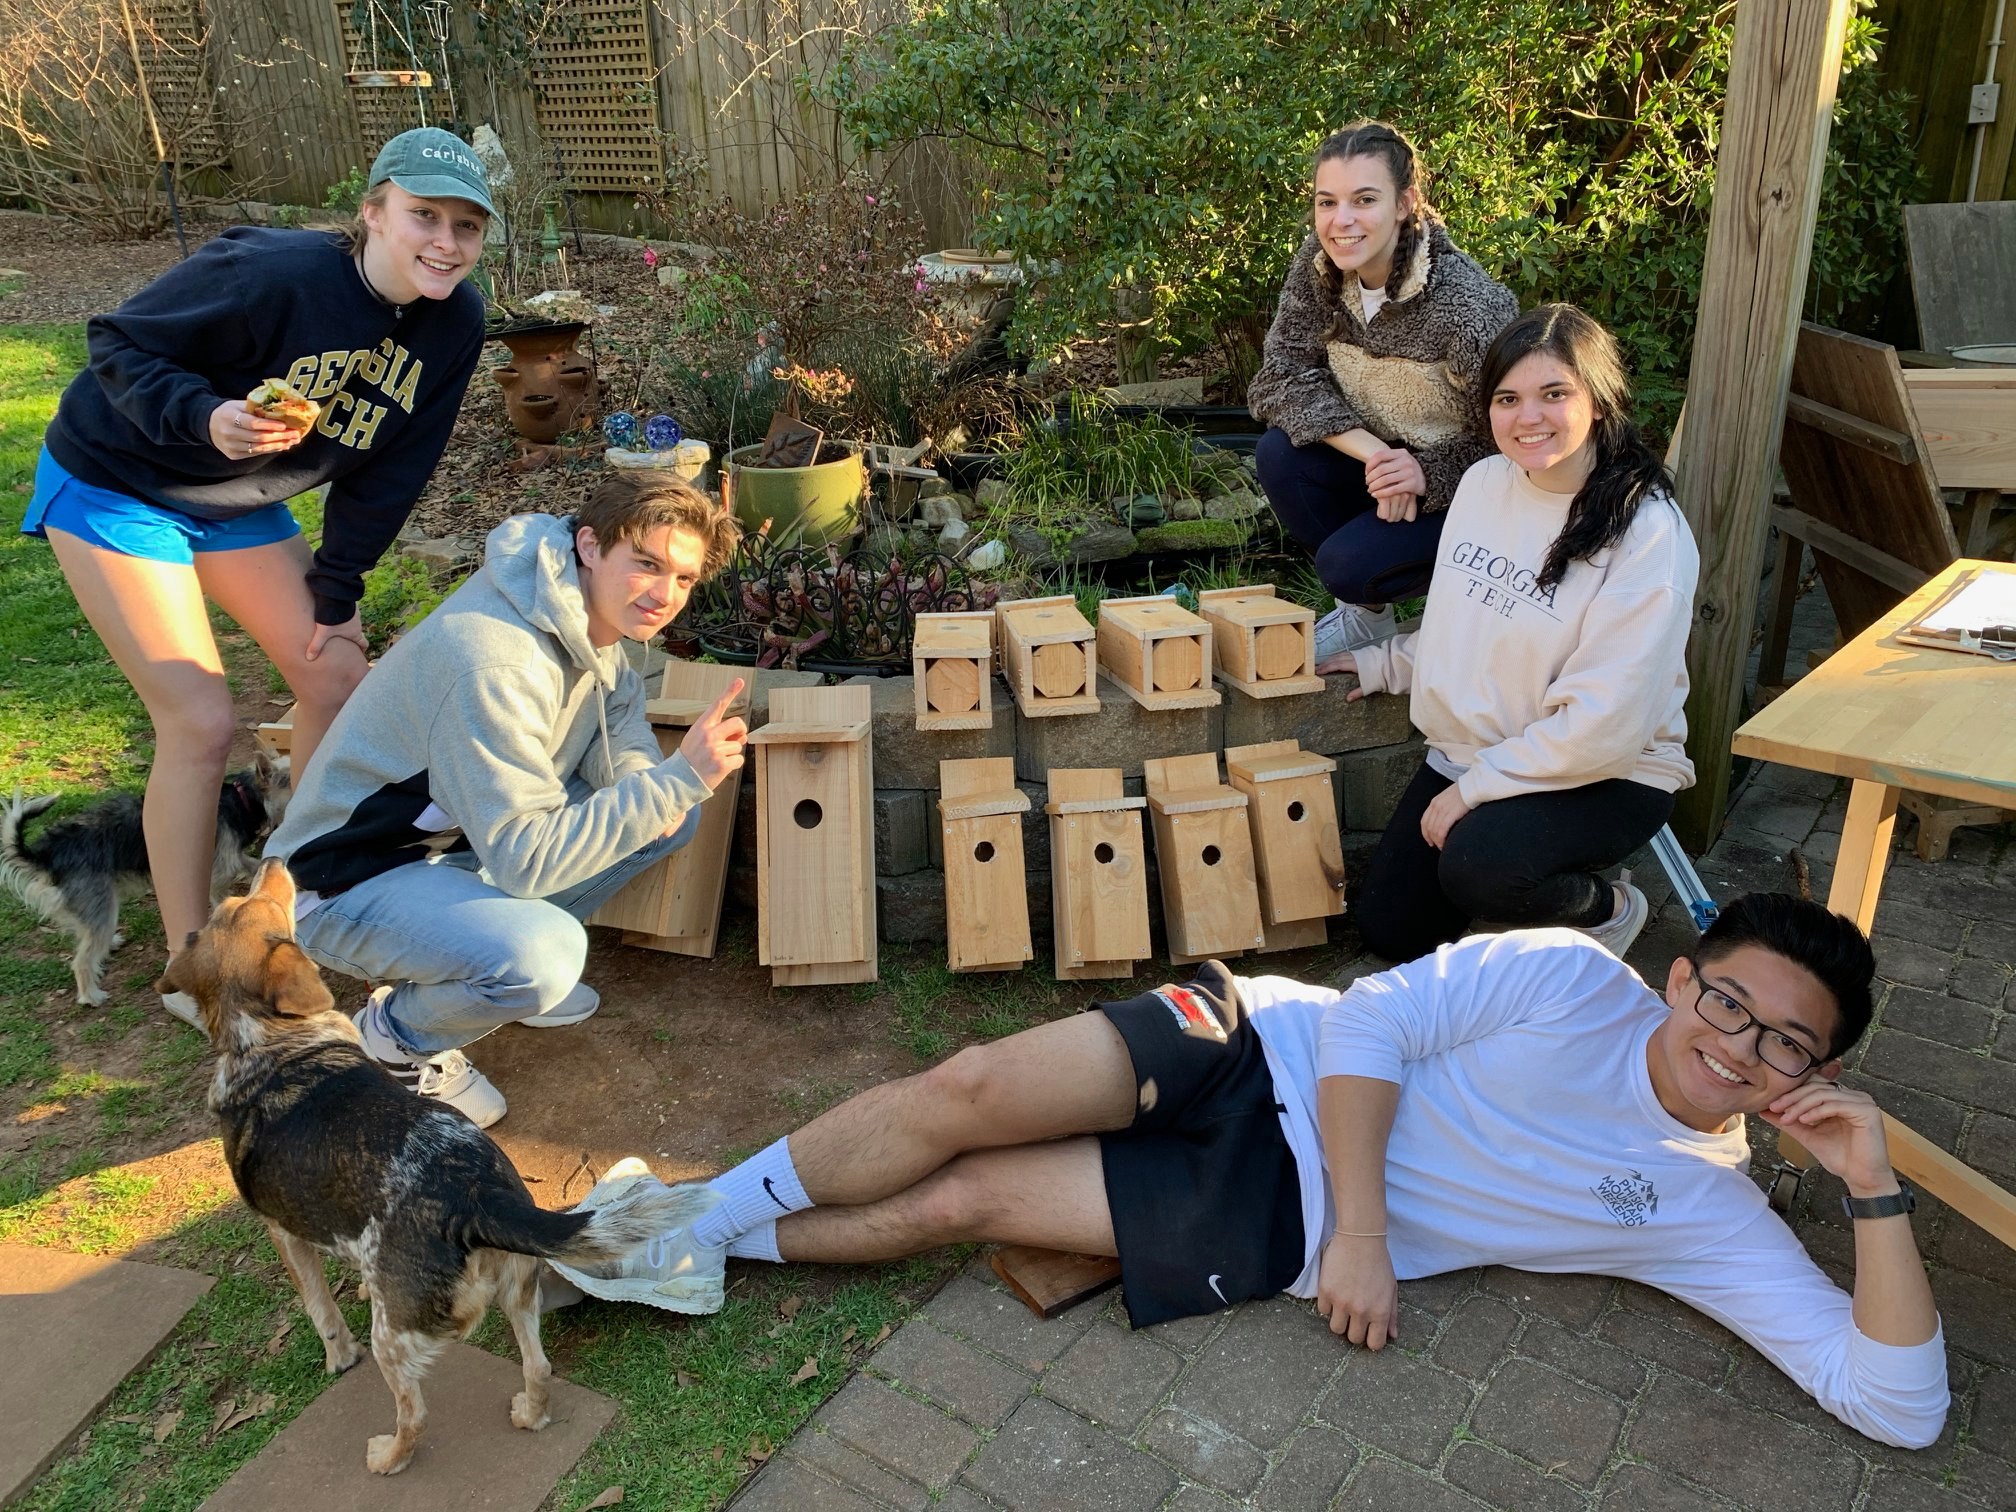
pixel 135 528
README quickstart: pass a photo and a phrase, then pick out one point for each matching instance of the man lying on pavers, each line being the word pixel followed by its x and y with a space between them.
pixel 1521 1099
pixel 494 780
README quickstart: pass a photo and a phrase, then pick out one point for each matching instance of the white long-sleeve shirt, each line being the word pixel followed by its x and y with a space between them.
pixel 1528 1134
pixel 1523 689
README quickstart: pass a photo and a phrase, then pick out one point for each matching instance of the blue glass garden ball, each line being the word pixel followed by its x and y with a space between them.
pixel 621 429
pixel 662 433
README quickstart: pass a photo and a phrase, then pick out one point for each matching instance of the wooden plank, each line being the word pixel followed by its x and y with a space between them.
pixel 1049 1281
pixel 1952 1181
pixel 1837 545
pixel 1784 65
pixel 1968 419
pixel 1960 260
pixel 1894 446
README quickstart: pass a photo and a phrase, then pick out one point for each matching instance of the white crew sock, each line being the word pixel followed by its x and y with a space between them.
pixel 760 1190
pixel 760 1243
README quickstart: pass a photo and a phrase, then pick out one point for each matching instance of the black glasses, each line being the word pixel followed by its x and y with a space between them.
pixel 1721 1012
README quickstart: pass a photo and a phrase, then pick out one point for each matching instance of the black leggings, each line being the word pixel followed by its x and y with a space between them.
pixel 1319 496
pixel 1525 860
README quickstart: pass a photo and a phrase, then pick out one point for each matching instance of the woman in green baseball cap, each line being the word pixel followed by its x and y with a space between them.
pixel 268 363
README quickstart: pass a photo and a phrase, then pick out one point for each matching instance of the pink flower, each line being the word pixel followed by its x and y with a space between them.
pixel 650 258
pixel 704 373
pixel 871 199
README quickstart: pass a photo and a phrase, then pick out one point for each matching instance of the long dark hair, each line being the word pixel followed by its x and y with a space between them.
pixel 1626 470
pixel 1375 139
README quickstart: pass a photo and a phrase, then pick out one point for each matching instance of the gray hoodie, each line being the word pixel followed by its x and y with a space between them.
pixel 494 725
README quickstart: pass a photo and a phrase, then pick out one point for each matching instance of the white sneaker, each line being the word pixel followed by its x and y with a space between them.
pixel 671 1272
pixel 1617 933
pixel 184 1007
pixel 580 1003
pixel 1352 627
pixel 447 1077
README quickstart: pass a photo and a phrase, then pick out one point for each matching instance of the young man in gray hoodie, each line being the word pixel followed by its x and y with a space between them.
pixel 494 781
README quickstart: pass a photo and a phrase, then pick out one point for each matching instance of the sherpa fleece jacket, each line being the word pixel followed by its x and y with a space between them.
pixel 252 304
pixel 1405 375
pixel 492 724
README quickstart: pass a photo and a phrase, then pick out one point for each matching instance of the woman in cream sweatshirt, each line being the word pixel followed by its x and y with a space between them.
pixel 1549 674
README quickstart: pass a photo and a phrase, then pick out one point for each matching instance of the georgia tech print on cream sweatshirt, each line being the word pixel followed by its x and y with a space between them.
pixel 1524 689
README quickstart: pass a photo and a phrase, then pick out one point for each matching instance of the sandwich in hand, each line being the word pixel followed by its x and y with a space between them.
pixel 276 400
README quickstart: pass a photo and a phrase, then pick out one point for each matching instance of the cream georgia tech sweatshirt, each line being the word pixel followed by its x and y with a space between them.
pixel 1523 689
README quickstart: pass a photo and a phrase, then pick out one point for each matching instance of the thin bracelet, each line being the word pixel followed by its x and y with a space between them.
pixel 1350 1234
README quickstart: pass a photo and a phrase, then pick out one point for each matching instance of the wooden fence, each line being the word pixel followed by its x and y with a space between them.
pixel 627 88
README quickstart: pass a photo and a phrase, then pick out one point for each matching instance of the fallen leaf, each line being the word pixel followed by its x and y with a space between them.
pixel 777 1328
pixel 880 1334
pixel 685 1380
pixel 169 1422
pixel 205 1344
pixel 790 1305
pixel 849 1334
pixel 224 1410
pixel 762 1362
pixel 806 1371
pixel 258 1406
pixel 279 1340
pixel 719 1450
pixel 759 1450
pixel 608 1498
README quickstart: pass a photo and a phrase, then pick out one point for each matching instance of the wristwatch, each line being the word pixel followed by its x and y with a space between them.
pixel 1903 1200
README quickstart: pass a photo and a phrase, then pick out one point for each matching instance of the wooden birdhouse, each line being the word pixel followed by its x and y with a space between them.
pixel 1098 874
pixel 276 737
pixel 1048 656
pixel 1292 810
pixel 1158 652
pixel 1204 852
pixel 1266 645
pixel 676 904
pixel 815 838
pixel 986 882
pixel 952 656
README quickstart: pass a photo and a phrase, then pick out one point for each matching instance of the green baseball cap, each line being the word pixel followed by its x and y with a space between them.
pixel 433 164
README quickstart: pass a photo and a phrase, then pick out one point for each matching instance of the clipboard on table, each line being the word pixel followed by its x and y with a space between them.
pixel 1977 615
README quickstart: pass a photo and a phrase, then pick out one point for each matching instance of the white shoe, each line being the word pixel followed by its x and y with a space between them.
pixel 671 1272
pixel 580 1003
pixel 184 1007
pixel 1351 627
pixel 1617 933
pixel 447 1077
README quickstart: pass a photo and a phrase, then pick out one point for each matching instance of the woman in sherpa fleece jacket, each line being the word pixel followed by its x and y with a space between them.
pixel 1366 382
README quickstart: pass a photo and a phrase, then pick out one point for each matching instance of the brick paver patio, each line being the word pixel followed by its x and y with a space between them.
pixel 1507 1389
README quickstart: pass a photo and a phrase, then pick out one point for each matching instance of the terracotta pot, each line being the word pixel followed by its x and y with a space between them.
pixel 549 388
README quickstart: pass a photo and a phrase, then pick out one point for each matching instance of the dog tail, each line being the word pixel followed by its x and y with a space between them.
pixel 632 1219
pixel 21 873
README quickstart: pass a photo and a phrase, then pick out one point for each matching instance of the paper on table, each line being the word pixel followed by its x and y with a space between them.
pixel 1989 599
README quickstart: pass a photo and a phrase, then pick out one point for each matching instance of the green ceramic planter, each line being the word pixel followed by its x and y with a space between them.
pixel 824 499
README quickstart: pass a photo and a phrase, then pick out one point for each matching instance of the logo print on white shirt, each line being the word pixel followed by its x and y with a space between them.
pixel 1630 1198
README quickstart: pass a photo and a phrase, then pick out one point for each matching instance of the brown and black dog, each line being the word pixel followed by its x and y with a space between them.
pixel 337 1156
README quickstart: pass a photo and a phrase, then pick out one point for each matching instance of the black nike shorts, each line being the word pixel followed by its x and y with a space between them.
pixel 1206 1204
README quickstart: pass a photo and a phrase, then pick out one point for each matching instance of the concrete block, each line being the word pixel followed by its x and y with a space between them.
pixel 906 829
pixel 1327 723
pixel 910 910
pixel 1370 782
pixel 1122 734
pixel 907 757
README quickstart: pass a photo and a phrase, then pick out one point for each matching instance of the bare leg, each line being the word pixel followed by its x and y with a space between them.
pixel 340 1349
pixel 1052 1195
pixel 150 616
pixel 265 589
pixel 1070 1077
pixel 403 1359
pixel 519 1297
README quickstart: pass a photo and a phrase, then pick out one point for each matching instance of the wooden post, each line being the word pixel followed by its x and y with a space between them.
pixel 1782 74
pixel 986 884
pixel 676 905
pixel 1204 856
pixel 815 838
pixel 1098 874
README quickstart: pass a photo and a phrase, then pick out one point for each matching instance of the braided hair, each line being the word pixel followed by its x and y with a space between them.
pixel 1626 471
pixel 1375 139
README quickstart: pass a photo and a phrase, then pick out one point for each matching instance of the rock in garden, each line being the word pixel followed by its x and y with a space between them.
pixel 992 491
pixel 670 275
pixel 943 511
pixel 933 488
pixel 953 536
pixel 440 555
pixel 987 556
pixel 1232 506
pixel 885 540
pixel 1186 509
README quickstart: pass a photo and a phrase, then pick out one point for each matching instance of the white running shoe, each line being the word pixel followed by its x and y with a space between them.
pixel 1617 933
pixel 447 1077
pixel 580 1003
pixel 184 1007
pixel 671 1272
pixel 1351 627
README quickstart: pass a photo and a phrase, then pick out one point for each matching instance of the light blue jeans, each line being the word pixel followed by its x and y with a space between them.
pixel 465 957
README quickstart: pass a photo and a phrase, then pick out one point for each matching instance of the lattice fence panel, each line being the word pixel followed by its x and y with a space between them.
pixel 381 113
pixel 596 91
pixel 179 79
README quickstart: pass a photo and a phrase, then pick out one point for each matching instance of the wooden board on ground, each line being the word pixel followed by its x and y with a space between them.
pixel 1204 857
pixel 952 662
pixel 1048 656
pixel 1049 1281
pixel 1098 874
pixel 75 1326
pixel 986 883
pixel 470 1459
pixel 1158 652
pixel 1960 261
pixel 1265 645
pixel 815 837
pixel 676 905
